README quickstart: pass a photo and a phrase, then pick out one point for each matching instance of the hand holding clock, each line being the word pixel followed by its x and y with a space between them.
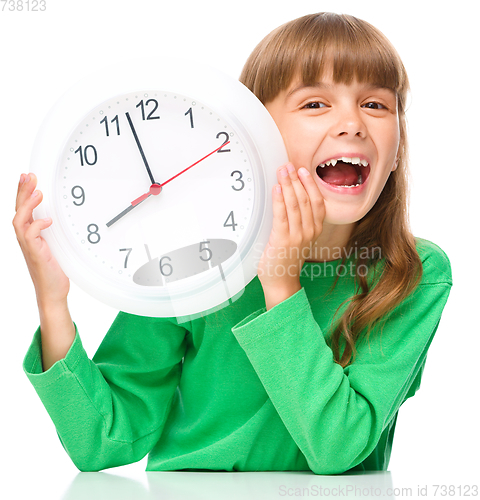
pixel 51 283
pixel 298 214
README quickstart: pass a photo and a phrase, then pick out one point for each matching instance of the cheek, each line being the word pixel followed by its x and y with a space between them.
pixel 390 138
pixel 301 143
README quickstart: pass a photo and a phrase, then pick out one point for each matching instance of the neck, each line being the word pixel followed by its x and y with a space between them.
pixel 331 244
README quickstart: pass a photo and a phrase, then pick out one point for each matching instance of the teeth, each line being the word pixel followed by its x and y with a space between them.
pixel 359 182
pixel 355 161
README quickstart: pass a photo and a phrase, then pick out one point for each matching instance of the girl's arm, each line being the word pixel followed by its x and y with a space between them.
pixel 108 411
pixel 51 283
pixel 337 416
pixel 111 410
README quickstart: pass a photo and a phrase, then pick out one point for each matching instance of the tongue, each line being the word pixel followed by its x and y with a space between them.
pixel 342 174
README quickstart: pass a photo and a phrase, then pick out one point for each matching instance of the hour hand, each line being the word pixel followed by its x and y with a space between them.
pixel 154 190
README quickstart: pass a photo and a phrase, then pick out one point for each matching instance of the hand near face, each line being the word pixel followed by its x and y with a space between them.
pixel 298 214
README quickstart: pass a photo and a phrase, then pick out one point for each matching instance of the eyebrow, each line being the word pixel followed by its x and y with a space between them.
pixel 326 86
pixel 318 85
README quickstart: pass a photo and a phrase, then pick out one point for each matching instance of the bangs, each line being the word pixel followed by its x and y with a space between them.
pixel 313 46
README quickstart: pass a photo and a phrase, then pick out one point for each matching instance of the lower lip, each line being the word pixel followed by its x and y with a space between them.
pixel 344 190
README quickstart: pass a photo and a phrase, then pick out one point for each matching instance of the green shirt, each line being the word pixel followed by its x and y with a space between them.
pixel 245 389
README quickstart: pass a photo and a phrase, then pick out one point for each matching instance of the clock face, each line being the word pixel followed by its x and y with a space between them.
pixel 159 192
pixel 158 177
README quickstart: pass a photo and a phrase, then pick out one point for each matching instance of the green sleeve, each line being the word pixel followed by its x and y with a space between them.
pixel 336 416
pixel 111 410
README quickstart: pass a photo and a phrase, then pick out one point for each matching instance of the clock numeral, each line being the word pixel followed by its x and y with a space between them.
pixel 77 196
pixel 227 138
pixel 190 112
pixel 88 155
pixel 93 234
pixel 129 251
pixel 232 224
pixel 114 120
pixel 238 180
pixel 205 249
pixel 143 106
pixel 164 266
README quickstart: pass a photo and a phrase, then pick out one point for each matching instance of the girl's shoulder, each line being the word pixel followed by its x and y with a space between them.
pixel 435 262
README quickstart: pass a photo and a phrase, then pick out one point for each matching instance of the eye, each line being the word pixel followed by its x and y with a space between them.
pixel 314 105
pixel 374 105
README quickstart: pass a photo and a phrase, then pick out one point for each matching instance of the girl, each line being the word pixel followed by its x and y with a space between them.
pixel 308 368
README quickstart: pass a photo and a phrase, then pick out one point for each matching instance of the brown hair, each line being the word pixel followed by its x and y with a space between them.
pixel 354 49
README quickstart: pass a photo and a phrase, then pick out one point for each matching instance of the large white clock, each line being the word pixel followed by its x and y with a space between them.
pixel 159 181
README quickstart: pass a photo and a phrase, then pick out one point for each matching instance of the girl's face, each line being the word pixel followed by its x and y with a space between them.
pixel 331 121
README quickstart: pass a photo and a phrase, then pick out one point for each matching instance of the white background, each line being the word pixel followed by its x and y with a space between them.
pixel 44 53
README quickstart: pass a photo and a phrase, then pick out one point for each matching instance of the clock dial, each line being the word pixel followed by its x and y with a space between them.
pixel 154 188
pixel 158 179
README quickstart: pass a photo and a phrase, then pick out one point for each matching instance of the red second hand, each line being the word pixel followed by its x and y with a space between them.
pixel 155 189
pixel 193 164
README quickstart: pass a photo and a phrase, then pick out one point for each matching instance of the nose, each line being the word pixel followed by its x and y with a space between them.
pixel 350 124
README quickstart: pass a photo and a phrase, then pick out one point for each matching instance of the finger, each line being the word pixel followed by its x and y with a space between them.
pixel 300 214
pixel 34 247
pixel 317 202
pixel 290 197
pixel 20 183
pixel 33 233
pixel 303 199
pixel 25 189
pixel 24 216
pixel 280 218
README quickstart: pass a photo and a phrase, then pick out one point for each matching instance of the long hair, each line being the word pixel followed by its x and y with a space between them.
pixel 353 49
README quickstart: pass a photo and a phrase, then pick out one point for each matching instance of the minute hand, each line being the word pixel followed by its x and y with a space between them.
pixel 193 164
pixel 140 148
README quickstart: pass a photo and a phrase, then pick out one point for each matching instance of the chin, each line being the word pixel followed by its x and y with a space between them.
pixel 338 214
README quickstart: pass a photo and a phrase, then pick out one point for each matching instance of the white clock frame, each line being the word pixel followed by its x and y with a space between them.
pixel 229 99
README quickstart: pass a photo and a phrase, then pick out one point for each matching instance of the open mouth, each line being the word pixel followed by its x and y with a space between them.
pixel 344 172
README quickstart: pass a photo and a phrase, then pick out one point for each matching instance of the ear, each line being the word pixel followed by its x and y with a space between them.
pixel 395 165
